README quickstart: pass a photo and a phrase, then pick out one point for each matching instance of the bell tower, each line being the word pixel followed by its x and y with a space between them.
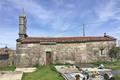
pixel 22 26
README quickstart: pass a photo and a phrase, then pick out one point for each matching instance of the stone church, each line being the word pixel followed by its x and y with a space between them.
pixel 46 50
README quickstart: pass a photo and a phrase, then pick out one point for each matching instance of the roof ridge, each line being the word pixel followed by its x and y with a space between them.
pixel 110 37
pixel 66 39
pixel 69 37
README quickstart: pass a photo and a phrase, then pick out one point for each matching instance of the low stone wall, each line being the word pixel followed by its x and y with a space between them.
pixel 7 62
pixel 4 63
pixel 7 58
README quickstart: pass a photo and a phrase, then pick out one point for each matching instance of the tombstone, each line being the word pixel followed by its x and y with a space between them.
pixel 108 76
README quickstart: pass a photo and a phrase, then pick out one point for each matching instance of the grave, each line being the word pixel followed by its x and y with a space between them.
pixel 71 73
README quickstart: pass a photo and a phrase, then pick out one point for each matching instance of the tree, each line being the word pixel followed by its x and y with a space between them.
pixel 114 53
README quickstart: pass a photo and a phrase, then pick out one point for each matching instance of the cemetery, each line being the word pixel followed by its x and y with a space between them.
pixel 60 72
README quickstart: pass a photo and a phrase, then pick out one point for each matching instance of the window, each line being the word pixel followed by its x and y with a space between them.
pixel 101 52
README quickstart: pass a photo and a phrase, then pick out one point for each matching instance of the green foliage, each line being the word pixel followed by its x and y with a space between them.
pixel 97 63
pixel 38 66
pixel 43 73
pixel 8 68
pixel 114 52
pixel 112 65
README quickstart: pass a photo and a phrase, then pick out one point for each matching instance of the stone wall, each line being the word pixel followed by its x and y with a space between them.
pixel 4 63
pixel 94 50
pixel 9 61
pixel 32 54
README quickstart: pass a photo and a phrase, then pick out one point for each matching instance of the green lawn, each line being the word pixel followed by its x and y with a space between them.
pixel 117 77
pixel 49 72
pixel 112 65
pixel 9 68
pixel 43 73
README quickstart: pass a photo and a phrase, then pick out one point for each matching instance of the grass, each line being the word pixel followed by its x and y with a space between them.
pixel 112 65
pixel 49 72
pixel 8 68
pixel 43 73
pixel 117 77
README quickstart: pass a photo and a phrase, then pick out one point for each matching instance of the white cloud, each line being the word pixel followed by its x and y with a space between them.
pixel 116 31
pixel 41 14
pixel 63 16
pixel 32 7
pixel 8 36
pixel 107 11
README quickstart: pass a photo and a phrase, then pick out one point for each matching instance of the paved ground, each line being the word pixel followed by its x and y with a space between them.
pixel 25 70
pixel 11 75
pixel 16 75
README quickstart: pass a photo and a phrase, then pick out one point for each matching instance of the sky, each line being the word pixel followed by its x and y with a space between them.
pixel 56 18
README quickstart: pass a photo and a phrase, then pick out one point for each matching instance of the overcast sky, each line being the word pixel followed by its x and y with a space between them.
pixel 59 18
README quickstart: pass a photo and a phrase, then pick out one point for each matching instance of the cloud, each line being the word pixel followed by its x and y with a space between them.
pixel 107 11
pixel 116 31
pixel 49 17
pixel 59 17
pixel 31 7
pixel 105 18
pixel 8 36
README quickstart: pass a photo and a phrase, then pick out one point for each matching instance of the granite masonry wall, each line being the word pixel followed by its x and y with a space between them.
pixel 28 55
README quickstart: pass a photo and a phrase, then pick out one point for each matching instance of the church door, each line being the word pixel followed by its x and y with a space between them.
pixel 48 58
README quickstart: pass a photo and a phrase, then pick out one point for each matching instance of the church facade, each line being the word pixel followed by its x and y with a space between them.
pixel 46 50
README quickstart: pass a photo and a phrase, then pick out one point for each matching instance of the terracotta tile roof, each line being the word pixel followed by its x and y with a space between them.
pixel 66 39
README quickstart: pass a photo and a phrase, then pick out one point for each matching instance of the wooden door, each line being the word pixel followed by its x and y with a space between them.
pixel 48 58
